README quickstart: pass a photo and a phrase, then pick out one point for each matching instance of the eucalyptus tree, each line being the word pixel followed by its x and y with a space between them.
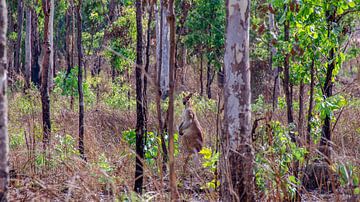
pixel 17 51
pixel 237 155
pixel 80 80
pixel 172 59
pixel 28 50
pixel 205 36
pixel 4 139
pixel 140 127
pixel 45 98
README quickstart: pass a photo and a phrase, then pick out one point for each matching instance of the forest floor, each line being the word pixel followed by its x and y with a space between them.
pixel 109 147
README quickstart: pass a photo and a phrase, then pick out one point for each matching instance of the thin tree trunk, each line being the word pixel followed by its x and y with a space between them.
pixel 159 25
pixel 172 58
pixel 301 108
pixel 325 146
pixel 80 83
pixel 165 45
pixel 201 75
pixel 4 139
pixel 68 40
pixel 35 43
pixel 28 50
pixel 140 129
pixel 287 88
pixel 237 155
pixel 51 40
pixel 45 98
pixel 17 51
pixel 311 103
pixel 147 64
pixel 208 80
pixel 276 71
pixel 112 11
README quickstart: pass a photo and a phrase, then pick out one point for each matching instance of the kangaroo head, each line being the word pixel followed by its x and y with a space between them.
pixel 186 99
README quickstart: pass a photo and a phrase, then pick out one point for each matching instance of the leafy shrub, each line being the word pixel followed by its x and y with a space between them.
pixel 210 159
pixel 274 159
pixel 66 147
pixel 118 98
pixel 152 144
pixel 67 85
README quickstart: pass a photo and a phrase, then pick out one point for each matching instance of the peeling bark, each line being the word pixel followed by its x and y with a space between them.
pixel 165 57
pixel 4 138
pixel 237 154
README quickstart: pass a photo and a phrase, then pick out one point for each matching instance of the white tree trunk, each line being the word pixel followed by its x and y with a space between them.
pixel 164 79
pixel 4 139
pixel 237 152
pixel 28 51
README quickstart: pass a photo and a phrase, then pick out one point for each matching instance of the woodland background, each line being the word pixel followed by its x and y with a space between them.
pixel 75 126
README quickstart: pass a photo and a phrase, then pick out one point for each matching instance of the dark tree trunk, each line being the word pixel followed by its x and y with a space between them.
pixel 68 40
pixel 4 138
pixel 201 76
pixel 147 64
pixel 208 80
pixel 172 59
pixel 45 98
pixel 287 88
pixel 35 43
pixel 112 11
pixel 28 51
pixel 71 39
pixel 140 127
pixel 326 129
pixel 80 83
pixel 301 108
pixel 311 102
pixel 17 51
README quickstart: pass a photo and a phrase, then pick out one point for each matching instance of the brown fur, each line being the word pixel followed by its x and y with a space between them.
pixel 190 129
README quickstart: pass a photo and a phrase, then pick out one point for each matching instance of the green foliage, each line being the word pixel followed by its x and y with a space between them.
pixel 210 160
pixel 105 176
pixel 65 148
pixel 17 140
pixel 67 85
pixel 152 144
pixel 118 98
pixel 260 106
pixel 349 175
pixel 123 31
pixel 206 24
pixel 274 159
pixel 329 105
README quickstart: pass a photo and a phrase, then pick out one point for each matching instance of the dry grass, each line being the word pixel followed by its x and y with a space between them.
pixel 109 171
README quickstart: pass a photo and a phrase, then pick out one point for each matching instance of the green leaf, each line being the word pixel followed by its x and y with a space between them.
pixel 206 152
pixel 357 191
pixel 352 4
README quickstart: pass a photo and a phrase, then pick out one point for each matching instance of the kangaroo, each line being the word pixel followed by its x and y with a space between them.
pixel 190 131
